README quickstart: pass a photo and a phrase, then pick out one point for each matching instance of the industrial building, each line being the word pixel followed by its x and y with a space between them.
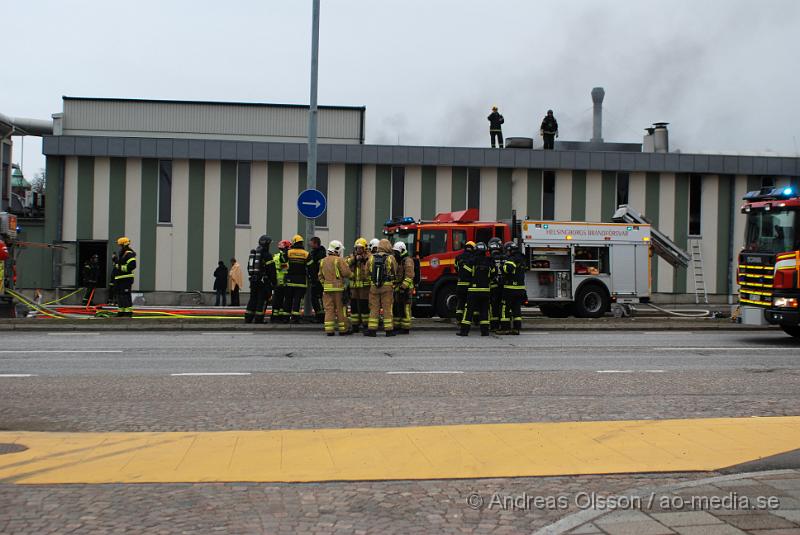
pixel 192 183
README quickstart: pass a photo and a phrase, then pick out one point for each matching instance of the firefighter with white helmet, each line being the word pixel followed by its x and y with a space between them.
pixel 359 285
pixel 403 288
pixel 373 245
pixel 333 274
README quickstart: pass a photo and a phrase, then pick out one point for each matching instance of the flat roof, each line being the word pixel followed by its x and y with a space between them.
pixel 211 102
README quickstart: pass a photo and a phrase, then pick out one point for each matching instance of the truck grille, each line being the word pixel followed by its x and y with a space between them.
pixel 755 279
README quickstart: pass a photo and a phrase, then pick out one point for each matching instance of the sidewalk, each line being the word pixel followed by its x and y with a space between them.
pixel 711 506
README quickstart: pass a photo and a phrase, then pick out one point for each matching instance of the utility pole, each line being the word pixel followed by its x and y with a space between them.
pixel 311 174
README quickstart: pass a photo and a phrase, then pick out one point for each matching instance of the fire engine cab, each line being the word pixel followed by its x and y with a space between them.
pixel 769 263
pixel 436 244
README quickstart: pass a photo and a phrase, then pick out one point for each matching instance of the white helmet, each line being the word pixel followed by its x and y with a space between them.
pixel 373 244
pixel 400 247
pixel 335 247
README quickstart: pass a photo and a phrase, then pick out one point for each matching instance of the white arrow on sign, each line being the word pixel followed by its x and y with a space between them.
pixel 315 204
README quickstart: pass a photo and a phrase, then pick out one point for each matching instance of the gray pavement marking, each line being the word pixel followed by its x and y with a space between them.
pixel 630 371
pixel 588 515
pixel 201 374
pixel 15 351
pixel 423 372
pixel 17 375
pixel 73 334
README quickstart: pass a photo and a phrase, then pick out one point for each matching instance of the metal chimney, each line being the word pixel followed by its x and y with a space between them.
pixel 661 137
pixel 649 143
pixel 598 93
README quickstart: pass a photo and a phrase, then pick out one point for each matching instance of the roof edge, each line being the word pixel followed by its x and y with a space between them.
pixel 212 102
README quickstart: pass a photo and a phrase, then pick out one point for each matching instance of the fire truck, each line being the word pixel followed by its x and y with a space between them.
pixel 436 244
pixel 769 264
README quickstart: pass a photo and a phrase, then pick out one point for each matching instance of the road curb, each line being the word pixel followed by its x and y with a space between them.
pixel 580 518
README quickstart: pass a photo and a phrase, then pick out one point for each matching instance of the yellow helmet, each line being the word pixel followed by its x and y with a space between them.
pixel 297 239
pixel 123 241
pixel 361 242
pixel 470 245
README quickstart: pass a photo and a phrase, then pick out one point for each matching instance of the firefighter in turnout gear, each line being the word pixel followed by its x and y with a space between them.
pixel 297 275
pixel 464 279
pixel 373 245
pixel 359 285
pixel 382 267
pixel 281 300
pixel 482 269
pixel 333 275
pixel 123 280
pixel 403 288
pixel 263 278
pixel 495 247
pixel 514 294
pixel 496 127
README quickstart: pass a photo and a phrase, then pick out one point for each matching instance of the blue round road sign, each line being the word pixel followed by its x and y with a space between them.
pixel 311 203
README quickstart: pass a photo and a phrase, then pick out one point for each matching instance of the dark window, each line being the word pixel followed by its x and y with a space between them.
pixel 474 187
pixel 165 191
pixel 767 181
pixel 398 191
pixel 695 204
pixel 459 239
pixel 432 242
pixel 243 193
pixel 483 234
pixel 322 187
pixel 549 195
pixel 623 184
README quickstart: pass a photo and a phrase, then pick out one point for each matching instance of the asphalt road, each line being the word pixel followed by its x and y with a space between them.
pixel 132 381
pixel 68 353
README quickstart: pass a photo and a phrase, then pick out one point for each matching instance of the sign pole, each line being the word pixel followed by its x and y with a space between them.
pixel 311 174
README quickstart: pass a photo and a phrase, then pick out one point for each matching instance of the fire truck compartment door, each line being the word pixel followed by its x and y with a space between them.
pixel 623 269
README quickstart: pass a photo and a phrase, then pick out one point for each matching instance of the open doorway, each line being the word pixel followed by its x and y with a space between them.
pixel 85 251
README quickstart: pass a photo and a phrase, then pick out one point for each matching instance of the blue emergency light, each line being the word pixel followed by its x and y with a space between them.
pixel 787 192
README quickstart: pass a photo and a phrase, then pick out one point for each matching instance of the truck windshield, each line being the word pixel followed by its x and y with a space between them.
pixel 771 232
pixel 408 237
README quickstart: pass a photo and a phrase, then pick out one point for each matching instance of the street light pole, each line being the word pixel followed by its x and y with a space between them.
pixel 311 168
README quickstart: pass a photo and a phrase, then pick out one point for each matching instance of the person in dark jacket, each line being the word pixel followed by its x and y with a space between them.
pixel 514 268
pixel 317 254
pixel 464 279
pixel 482 270
pixel 221 284
pixel 549 130
pixel 495 128
pixel 91 277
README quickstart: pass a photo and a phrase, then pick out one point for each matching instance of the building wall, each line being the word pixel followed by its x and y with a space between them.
pixel 105 198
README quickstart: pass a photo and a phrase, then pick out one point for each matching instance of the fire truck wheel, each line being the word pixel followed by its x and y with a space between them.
pixel 555 311
pixel 791 330
pixel 591 302
pixel 446 301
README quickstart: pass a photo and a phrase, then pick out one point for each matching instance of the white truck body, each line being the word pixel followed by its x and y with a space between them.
pixel 567 259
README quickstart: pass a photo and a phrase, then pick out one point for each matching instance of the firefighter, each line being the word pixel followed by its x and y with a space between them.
pixel 316 255
pixel 514 295
pixel 403 288
pixel 90 277
pixel 373 245
pixel 359 285
pixel 464 279
pixel 297 275
pixel 281 300
pixel 263 278
pixel 333 275
pixel 123 280
pixel 495 247
pixel 381 268
pixel 549 130
pixel 482 269
pixel 495 127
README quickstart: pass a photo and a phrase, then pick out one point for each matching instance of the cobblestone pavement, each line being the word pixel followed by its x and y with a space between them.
pixel 330 399
pixel 330 508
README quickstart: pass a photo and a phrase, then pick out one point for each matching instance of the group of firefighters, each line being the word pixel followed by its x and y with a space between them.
pixel 378 277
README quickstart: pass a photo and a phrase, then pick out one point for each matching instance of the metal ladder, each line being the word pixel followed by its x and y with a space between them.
pixel 696 250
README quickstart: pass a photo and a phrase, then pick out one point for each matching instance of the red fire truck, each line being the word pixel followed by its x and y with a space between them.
pixel 769 264
pixel 436 244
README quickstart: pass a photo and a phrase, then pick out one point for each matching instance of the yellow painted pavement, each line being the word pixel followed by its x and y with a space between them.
pixel 435 452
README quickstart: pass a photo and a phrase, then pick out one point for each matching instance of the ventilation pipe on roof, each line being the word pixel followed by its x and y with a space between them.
pixel 661 137
pixel 598 93
pixel 649 143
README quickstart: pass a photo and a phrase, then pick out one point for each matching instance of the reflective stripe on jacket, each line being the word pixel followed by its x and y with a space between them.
pixel 333 271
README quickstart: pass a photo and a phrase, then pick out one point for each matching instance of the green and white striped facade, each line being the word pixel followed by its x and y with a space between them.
pixel 105 196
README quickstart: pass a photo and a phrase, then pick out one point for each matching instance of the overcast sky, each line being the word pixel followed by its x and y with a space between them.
pixel 723 72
